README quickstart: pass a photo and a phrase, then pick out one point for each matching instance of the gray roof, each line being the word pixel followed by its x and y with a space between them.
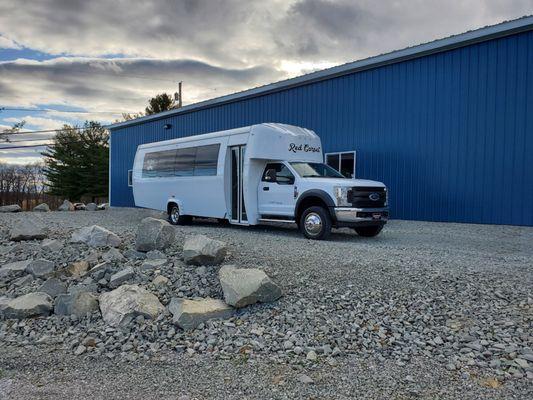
pixel 479 35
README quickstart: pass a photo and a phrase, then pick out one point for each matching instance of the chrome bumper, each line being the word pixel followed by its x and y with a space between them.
pixel 347 214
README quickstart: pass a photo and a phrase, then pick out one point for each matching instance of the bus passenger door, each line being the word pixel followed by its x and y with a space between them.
pixel 238 209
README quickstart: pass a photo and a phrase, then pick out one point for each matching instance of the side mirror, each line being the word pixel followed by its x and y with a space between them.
pixel 270 175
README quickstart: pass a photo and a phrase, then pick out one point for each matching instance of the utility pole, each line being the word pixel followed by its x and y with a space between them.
pixel 177 95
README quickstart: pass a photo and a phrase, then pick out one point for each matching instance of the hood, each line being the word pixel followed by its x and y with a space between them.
pixel 345 182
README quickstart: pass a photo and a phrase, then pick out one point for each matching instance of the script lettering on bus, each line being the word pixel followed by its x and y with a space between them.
pixel 306 148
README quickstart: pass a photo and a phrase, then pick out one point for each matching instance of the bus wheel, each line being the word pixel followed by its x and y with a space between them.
pixel 175 218
pixel 315 223
pixel 174 215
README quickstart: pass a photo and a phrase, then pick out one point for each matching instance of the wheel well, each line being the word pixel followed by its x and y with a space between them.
pixel 309 202
pixel 170 205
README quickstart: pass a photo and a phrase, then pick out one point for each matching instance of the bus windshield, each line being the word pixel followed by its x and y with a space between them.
pixel 315 170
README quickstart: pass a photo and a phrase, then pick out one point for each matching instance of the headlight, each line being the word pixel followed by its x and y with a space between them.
pixel 341 195
pixel 386 197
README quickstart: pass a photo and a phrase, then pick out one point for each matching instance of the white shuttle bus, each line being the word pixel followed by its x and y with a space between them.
pixel 256 174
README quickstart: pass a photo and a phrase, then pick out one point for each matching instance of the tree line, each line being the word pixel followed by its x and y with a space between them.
pixel 24 185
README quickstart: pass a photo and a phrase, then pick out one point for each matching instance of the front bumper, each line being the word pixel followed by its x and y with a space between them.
pixel 347 216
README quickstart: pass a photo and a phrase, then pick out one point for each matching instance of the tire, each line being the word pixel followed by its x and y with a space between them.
pixel 315 223
pixel 369 231
pixel 175 218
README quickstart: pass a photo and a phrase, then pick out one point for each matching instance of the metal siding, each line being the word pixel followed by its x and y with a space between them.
pixel 451 133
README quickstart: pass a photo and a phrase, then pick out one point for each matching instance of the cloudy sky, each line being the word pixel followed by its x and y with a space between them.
pixel 106 57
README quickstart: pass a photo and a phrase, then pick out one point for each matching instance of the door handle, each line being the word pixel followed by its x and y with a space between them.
pixel 266 188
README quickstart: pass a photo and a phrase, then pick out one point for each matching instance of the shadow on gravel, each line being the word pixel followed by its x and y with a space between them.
pixel 289 230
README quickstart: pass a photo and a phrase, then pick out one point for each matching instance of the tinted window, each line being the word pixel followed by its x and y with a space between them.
pixel 159 163
pixel 185 161
pixel 206 160
pixel 198 161
pixel 283 174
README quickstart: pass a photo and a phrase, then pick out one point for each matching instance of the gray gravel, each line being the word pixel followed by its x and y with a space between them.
pixel 425 309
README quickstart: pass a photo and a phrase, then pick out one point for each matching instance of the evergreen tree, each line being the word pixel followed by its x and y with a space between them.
pixel 161 102
pixel 78 162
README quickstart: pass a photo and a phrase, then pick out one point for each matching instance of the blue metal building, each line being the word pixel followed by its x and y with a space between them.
pixel 447 125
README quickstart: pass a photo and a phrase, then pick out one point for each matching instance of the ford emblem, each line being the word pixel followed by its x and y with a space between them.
pixel 374 196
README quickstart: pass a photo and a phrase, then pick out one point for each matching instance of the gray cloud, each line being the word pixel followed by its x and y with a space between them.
pixel 215 46
pixel 117 84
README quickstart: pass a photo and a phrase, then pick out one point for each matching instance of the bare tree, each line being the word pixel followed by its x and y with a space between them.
pixel 24 185
pixel 4 134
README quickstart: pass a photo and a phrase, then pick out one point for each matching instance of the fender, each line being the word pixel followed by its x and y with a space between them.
pixel 322 195
pixel 178 202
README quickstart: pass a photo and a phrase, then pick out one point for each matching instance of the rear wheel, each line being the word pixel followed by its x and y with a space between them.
pixel 175 218
pixel 369 231
pixel 315 223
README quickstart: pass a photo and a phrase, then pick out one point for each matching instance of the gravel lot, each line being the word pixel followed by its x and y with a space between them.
pixel 425 310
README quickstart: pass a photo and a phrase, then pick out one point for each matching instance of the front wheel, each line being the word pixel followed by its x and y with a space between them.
pixel 369 231
pixel 315 223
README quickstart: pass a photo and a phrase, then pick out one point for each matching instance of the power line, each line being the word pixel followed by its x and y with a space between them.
pixel 27 140
pixel 27 146
pixel 48 130
pixel 39 145
pixel 60 111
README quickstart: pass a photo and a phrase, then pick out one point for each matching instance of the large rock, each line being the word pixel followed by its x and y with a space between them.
pixel 22 281
pixel 245 286
pixel 14 269
pixel 66 206
pixel 43 207
pixel 150 265
pixel 51 245
pixel 201 250
pixel 79 303
pixel 121 305
pixel 121 276
pixel 10 208
pixel 188 314
pixel 28 305
pixel 95 236
pixel 4 301
pixel 99 270
pixel 40 268
pixel 91 207
pixel 53 287
pixel 113 255
pixel 27 231
pixel 154 234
